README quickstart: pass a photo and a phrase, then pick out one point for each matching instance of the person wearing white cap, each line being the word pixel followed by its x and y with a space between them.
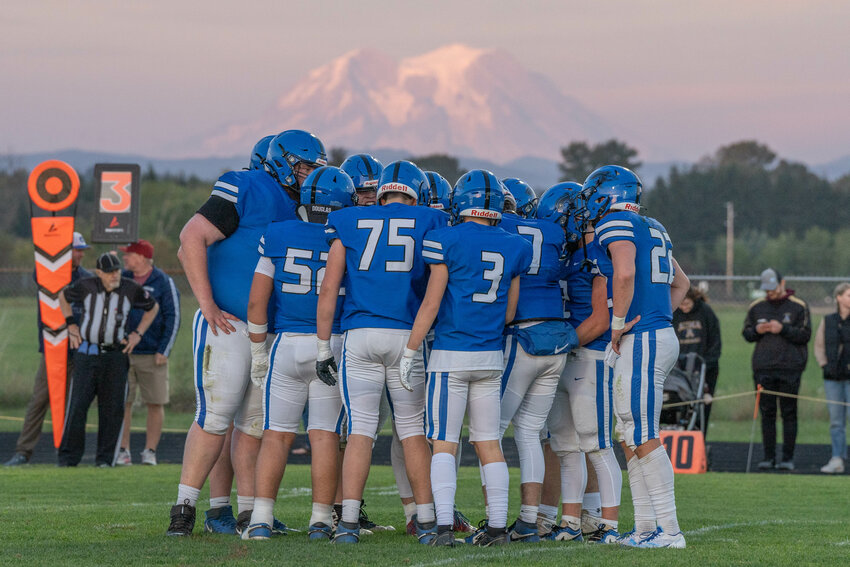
pixel 780 326
pixel 40 401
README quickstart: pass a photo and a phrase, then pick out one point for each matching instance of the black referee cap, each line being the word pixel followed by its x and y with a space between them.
pixel 108 262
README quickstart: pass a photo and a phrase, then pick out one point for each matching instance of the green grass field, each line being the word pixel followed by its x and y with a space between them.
pixel 91 516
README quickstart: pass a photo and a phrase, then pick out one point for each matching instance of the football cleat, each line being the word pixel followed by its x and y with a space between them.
pixel 461 522
pixel 319 532
pixel 659 539
pixel 257 531
pixel 182 520
pixel 367 526
pixel 444 538
pixel 220 520
pixel 604 534
pixel 279 528
pixel 493 537
pixel 563 533
pixel 426 532
pixel 589 522
pixel 524 532
pixel 243 520
pixel 633 538
pixel 473 538
pixel 346 533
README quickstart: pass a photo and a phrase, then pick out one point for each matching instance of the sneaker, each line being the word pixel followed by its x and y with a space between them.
pixel 426 532
pixel 493 537
pixel 220 520
pixel 257 531
pixel 123 459
pixel 243 520
pixel 367 526
pixel 182 520
pixel 444 538
pixel 17 460
pixel 523 531
pixel 632 538
pixel 765 465
pixel 563 533
pixel 461 523
pixel 148 457
pixel 834 466
pixel 785 466
pixel 660 539
pixel 319 532
pixel 589 522
pixel 346 533
pixel 604 534
pixel 473 538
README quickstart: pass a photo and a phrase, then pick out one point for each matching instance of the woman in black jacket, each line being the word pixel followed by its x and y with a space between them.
pixel 832 351
pixel 698 330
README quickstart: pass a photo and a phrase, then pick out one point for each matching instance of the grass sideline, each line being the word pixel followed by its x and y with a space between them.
pixel 89 516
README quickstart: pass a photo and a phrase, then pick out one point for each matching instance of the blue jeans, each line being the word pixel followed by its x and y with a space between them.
pixel 838 391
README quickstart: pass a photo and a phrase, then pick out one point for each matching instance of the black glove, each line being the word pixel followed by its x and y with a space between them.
pixel 326 369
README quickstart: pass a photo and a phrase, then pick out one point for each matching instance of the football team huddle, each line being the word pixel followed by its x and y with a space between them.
pixel 435 305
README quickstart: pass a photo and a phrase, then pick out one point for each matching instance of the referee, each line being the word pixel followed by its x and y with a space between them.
pixel 100 364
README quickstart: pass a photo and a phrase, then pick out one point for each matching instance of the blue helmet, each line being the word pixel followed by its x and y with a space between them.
pixel 524 195
pixel 290 148
pixel 326 189
pixel 402 177
pixel 258 154
pixel 510 200
pixel 439 192
pixel 611 188
pixel 364 170
pixel 478 193
pixel 562 204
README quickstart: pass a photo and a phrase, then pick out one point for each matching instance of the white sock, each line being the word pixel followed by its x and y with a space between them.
pixel 244 503
pixel 425 513
pixel 351 511
pixel 219 501
pixel 443 486
pixel 547 512
pixel 658 476
pixel 571 522
pixel 498 481
pixel 187 495
pixel 644 512
pixel 409 510
pixel 609 477
pixel 592 502
pixel 399 469
pixel 573 477
pixel 263 510
pixel 528 513
pixel 322 513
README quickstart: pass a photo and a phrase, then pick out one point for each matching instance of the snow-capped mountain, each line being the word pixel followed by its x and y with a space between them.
pixel 457 100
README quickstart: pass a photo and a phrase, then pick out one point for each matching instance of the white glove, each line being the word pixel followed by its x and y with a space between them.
pixel 259 363
pixel 406 367
pixel 611 356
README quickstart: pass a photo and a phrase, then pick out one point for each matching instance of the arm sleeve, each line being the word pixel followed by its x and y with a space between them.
pixel 221 213
pixel 713 343
pixel 74 292
pixel 800 331
pixel 265 266
pixel 820 345
pixel 169 308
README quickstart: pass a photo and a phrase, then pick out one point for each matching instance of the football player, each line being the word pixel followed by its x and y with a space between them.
pixel 378 252
pixel 365 171
pixel 472 292
pixel 218 250
pixel 258 153
pixel 646 281
pixel 291 268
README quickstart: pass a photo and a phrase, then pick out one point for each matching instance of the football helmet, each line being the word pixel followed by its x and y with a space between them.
pixel 258 154
pixel 562 204
pixel 364 170
pixel 478 193
pixel 524 195
pixel 439 192
pixel 326 189
pixel 611 188
pixel 510 200
pixel 290 148
pixel 402 177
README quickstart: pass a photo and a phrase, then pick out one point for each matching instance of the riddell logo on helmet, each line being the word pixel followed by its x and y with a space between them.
pixel 482 213
pixel 633 207
pixel 400 187
pixel 370 183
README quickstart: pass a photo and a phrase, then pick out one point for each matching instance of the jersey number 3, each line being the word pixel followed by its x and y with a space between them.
pixel 493 275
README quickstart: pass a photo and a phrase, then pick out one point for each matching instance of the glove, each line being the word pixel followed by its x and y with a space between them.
pixel 610 356
pixel 406 367
pixel 259 363
pixel 325 363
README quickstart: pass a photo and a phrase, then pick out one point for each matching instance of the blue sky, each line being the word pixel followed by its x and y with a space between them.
pixel 687 76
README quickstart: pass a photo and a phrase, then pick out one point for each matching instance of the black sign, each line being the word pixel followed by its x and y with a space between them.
pixel 117 202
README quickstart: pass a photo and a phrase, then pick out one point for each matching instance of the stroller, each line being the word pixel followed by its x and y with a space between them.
pixel 686 381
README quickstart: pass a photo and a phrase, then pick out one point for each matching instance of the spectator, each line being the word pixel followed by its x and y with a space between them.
pixel 698 330
pixel 149 360
pixel 40 400
pixel 779 324
pixel 100 364
pixel 832 351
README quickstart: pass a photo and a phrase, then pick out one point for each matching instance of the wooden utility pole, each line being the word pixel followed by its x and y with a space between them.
pixel 730 247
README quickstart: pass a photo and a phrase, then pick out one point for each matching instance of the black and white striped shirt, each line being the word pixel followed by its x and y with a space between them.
pixel 105 313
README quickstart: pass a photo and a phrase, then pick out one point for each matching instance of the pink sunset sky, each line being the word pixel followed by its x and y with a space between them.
pixel 686 76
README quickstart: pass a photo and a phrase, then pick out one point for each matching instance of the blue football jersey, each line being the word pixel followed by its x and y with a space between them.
pixel 539 290
pixel 579 278
pixel 259 201
pixel 299 252
pixel 653 266
pixel 482 261
pixel 385 275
